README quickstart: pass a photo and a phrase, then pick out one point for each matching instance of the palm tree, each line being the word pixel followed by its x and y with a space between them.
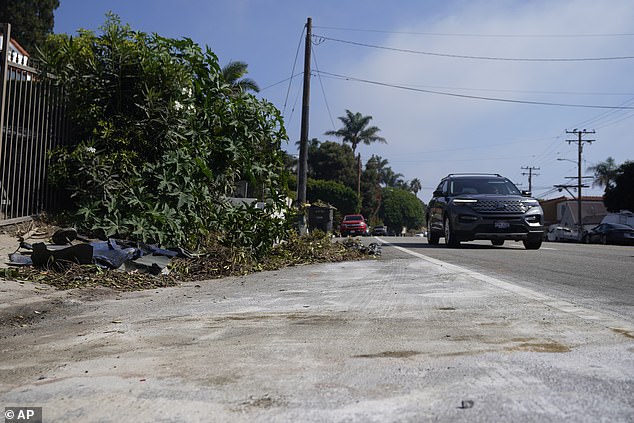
pixel 415 185
pixel 604 173
pixel 379 162
pixel 355 130
pixel 233 74
pixel 390 178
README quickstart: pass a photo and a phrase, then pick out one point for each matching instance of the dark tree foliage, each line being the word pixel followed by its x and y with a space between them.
pixel 332 161
pixel 400 208
pixel 371 190
pixel 620 195
pixel 31 21
pixel 341 197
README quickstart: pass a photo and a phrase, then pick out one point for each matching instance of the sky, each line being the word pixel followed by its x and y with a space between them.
pixel 487 86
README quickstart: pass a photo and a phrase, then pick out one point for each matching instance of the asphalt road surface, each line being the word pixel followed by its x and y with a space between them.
pixel 596 276
pixel 476 334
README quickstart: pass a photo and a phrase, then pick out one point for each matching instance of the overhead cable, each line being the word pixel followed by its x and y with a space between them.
pixel 473 97
pixel 293 70
pixel 462 56
pixel 474 35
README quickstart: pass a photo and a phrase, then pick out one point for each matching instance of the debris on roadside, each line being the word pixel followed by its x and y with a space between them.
pixel 69 260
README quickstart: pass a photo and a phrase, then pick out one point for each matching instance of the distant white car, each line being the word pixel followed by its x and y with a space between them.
pixel 558 233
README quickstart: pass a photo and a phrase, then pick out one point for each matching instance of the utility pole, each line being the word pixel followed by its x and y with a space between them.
pixel 530 176
pixel 303 140
pixel 579 141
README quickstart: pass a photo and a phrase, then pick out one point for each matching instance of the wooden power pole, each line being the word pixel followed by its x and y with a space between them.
pixel 303 140
pixel 579 141
pixel 530 176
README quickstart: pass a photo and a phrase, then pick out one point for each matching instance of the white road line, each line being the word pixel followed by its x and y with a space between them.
pixel 621 326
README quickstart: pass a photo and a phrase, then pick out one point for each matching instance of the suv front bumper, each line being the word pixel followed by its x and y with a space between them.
pixel 468 227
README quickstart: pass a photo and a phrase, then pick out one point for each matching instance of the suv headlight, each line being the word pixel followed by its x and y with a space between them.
pixel 463 201
pixel 529 204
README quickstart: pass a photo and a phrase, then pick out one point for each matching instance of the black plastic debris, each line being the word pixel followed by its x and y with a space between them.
pixel 51 257
pixel 64 236
pixel 70 248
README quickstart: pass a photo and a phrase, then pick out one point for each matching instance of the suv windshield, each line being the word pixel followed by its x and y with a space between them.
pixel 482 186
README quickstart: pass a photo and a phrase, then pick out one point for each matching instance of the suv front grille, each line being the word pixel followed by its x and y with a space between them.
pixel 499 206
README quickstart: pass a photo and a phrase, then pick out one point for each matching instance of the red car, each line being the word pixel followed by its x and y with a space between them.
pixel 353 224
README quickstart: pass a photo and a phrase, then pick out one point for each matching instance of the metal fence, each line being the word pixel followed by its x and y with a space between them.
pixel 31 124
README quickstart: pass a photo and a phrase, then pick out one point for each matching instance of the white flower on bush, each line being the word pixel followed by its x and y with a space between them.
pixel 91 150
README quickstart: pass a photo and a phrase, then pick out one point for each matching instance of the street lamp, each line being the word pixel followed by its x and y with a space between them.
pixel 568 160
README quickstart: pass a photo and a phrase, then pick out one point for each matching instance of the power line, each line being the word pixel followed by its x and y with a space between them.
pixel 280 82
pixel 473 97
pixel 449 34
pixel 461 56
pixel 299 45
pixel 323 92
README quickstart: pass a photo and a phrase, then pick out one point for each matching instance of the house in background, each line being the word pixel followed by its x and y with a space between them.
pixel 562 213
pixel 17 53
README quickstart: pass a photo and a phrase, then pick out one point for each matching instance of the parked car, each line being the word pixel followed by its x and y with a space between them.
pixel 353 224
pixel 561 233
pixel 379 231
pixel 610 233
pixel 467 207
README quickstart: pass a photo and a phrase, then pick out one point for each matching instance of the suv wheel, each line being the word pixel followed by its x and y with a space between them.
pixel 450 237
pixel 532 244
pixel 432 238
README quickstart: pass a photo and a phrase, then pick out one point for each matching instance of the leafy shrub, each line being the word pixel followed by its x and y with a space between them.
pixel 160 140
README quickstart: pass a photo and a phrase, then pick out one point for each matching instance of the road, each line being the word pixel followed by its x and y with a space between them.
pixel 600 277
pixel 475 334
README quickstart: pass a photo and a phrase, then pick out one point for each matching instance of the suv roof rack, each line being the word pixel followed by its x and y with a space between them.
pixel 474 174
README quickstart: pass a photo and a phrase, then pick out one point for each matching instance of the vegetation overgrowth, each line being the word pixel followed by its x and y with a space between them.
pixel 160 141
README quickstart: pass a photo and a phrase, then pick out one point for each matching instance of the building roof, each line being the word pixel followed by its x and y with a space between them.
pixel 17 53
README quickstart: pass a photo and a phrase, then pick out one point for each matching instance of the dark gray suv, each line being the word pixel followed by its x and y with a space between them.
pixel 466 207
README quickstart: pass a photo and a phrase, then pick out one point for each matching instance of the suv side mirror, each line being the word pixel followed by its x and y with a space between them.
pixel 527 194
pixel 438 193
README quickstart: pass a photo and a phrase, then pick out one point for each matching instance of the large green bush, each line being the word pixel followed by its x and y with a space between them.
pixel 400 208
pixel 160 140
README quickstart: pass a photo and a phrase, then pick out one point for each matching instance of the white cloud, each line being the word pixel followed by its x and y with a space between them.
pixel 431 135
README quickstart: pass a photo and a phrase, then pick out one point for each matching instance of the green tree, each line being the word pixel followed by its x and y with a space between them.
pixel 401 209
pixel 159 142
pixel 355 130
pixel 415 185
pixel 371 189
pixel 620 194
pixel 604 173
pixel 333 193
pixel 233 74
pixel 389 178
pixel 31 21
pixel 332 161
